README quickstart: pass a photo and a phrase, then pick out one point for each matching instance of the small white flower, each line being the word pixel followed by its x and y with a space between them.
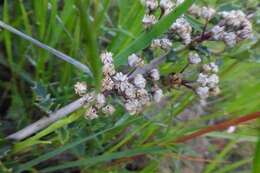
pixel 230 39
pixel 195 10
pixel 139 81
pixel 89 97
pixel 91 113
pixel 202 79
pixel 149 20
pixel 183 29
pixel 245 33
pixel 129 90
pixel 154 74
pixel 151 4
pixel 158 95
pixel 214 67
pixel 215 91
pixel 194 58
pixel 163 43
pixel 108 109
pixel 135 61
pixel 231 129
pixel 218 32
pixel 203 92
pixel 107 84
pixel 143 96
pixel 206 68
pixel 107 58
pixel 108 69
pixel 100 100
pixel 80 88
pixel 156 43
pixel 213 80
pixel 131 106
pixel 141 93
pixel 145 101
pixel 207 12
pixel 120 77
pixel 186 39
pixel 166 4
pixel 166 44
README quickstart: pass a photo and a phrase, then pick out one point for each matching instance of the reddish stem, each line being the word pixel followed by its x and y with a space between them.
pixel 219 126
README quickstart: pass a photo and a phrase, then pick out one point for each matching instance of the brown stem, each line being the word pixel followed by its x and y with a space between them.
pixel 219 126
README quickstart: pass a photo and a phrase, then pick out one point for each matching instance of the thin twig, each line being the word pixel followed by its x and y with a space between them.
pixel 55 52
pixel 218 127
pixel 45 121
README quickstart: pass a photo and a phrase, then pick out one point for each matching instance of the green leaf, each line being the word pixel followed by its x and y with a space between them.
pixel 157 30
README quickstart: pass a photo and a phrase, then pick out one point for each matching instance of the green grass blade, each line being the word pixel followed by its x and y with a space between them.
pixel 61 123
pixel 60 150
pixel 230 168
pixel 158 29
pixel 256 164
pixel 53 153
pixel 55 52
pixel 106 157
pixel 91 43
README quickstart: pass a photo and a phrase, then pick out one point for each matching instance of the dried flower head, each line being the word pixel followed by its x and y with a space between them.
pixel 108 69
pixel 139 81
pixel 151 5
pixel 166 4
pixel 80 88
pixel 131 106
pixel 107 58
pixel 207 13
pixel 91 113
pixel 158 95
pixel 154 74
pixel 135 61
pixel 100 100
pixel 203 92
pixel 108 110
pixel 107 84
pixel 149 20
pixel 194 58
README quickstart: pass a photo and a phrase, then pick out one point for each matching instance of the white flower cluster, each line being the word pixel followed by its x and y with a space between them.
pixel 208 81
pixel 203 12
pixel 134 93
pixel 163 43
pixel 151 6
pixel 183 28
pixel 234 27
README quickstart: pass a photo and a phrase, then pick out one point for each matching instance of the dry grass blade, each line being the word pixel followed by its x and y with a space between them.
pixel 53 51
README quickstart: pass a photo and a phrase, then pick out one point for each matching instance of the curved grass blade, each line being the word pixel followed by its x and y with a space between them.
pixel 53 51
pixel 158 29
pixel 106 157
pixel 60 150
